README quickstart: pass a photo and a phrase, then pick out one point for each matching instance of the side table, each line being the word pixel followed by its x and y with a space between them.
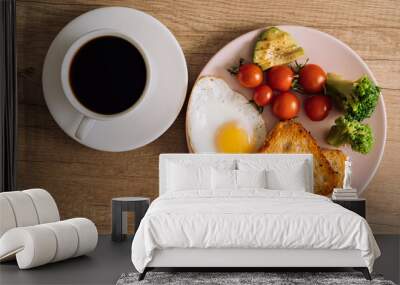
pixel 355 205
pixel 120 207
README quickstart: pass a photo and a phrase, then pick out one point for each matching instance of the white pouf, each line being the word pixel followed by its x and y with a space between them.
pixel 23 208
pixel 31 232
pixel 32 246
pixel 7 220
pixel 87 233
pixel 37 245
pixel 67 240
pixel 46 207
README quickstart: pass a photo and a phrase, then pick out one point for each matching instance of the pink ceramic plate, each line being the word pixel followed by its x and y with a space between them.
pixel 332 55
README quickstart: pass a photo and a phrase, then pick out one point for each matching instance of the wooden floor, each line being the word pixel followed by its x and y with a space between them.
pixel 83 180
pixel 106 264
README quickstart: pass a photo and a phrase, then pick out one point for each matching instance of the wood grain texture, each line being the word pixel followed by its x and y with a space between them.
pixel 83 180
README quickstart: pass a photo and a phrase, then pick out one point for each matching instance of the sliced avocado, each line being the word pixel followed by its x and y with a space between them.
pixel 275 47
pixel 271 33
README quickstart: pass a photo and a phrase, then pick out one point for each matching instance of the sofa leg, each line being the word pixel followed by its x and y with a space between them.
pixel 142 275
pixel 364 271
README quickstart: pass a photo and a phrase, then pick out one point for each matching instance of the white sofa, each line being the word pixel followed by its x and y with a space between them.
pixel 31 230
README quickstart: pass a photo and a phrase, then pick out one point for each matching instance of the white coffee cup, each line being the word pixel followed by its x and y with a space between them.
pixel 89 117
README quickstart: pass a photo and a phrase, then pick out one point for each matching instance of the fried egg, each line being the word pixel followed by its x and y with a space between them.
pixel 218 119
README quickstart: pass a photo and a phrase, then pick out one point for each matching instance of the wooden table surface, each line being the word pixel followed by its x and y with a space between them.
pixel 83 180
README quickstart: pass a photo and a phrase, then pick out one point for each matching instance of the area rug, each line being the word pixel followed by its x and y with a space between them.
pixel 244 278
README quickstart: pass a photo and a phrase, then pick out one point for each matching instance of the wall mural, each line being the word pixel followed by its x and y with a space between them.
pixel 280 73
pixel 271 90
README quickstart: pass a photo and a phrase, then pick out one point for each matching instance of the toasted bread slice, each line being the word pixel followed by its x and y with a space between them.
pixel 337 161
pixel 292 137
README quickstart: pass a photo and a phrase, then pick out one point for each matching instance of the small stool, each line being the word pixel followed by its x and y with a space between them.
pixel 120 206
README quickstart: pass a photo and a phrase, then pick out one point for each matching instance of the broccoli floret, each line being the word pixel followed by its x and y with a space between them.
pixel 358 99
pixel 359 136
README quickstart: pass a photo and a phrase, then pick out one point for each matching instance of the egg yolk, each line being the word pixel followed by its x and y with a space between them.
pixel 231 138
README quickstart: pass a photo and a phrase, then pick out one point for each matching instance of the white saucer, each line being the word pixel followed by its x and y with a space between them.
pixel 166 96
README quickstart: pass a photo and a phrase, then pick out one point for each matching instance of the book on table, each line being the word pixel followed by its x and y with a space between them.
pixel 344 190
pixel 345 194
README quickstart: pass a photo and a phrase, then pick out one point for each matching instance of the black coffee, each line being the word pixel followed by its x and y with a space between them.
pixel 108 75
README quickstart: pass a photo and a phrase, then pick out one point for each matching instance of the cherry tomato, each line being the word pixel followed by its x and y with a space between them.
pixel 250 75
pixel 262 95
pixel 312 77
pixel 317 107
pixel 286 106
pixel 280 77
